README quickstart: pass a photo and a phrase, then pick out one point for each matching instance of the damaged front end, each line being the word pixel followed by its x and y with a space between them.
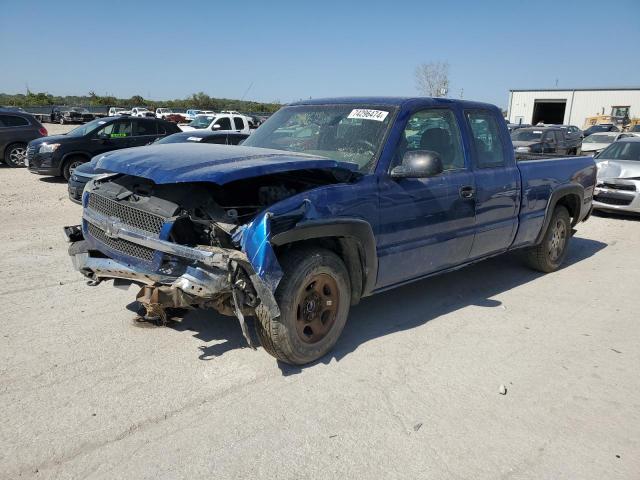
pixel 186 246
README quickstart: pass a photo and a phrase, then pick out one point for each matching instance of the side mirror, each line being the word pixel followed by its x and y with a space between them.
pixel 216 126
pixel 418 164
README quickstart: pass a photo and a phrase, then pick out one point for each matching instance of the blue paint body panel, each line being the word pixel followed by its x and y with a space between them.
pixel 421 225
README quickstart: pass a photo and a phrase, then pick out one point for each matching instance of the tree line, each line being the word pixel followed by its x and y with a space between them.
pixel 198 100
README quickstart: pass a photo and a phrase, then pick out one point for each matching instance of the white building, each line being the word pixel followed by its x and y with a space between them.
pixel 572 107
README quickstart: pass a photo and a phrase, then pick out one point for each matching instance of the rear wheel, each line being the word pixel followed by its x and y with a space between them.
pixel 15 155
pixel 549 255
pixel 314 296
pixel 70 165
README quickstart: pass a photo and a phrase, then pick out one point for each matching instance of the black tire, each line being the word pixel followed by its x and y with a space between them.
pixel 549 255
pixel 61 120
pixel 15 155
pixel 70 164
pixel 291 337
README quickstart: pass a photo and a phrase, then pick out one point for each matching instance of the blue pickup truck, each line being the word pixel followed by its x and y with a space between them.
pixel 329 201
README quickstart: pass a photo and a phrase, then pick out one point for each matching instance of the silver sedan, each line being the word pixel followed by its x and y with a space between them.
pixel 618 181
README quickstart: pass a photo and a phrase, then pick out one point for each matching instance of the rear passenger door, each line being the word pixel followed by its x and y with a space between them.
pixel 144 132
pixel 497 182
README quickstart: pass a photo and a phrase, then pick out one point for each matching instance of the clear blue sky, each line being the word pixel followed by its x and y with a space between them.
pixel 298 49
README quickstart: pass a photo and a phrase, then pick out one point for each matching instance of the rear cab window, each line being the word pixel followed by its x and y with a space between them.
pixel 239 123
pixel 487 141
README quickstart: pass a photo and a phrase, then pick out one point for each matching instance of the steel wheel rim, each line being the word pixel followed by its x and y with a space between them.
pixel 18 156
pixel 557 240
pixel 317 306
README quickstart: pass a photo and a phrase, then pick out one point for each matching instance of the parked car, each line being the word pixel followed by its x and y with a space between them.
pixel 545 140
pixel 603 127
pixel 118 111
pixel 163 113
pixel 221 122
pixel 64 115
pixel 296 231
pixel 17 129
pixel 191 113
pixel 59 155
pixel 597 142
pixel 618 184
pixel 141 112
pixel 634 129
pixel 88 171
pixel 572 132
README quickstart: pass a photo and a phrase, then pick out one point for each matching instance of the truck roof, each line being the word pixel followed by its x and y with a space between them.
pixel 394 101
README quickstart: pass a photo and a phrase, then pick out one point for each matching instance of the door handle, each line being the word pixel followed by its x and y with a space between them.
pixel 467 192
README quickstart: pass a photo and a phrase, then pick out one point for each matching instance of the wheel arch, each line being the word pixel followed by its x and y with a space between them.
pixel 569 196
pixel 351 239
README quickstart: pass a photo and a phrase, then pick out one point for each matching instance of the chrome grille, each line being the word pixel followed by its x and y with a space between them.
pixel 128 215
pixel 123 246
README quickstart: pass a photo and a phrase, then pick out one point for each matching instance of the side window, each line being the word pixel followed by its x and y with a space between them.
pixel 224 122
pixel 161 128
pixel 220 139
pixel 437 130
pixel 116 130
pixel 486 139
pixel 13 121
pixel 239 123
pixel 146 128
pixel 559 136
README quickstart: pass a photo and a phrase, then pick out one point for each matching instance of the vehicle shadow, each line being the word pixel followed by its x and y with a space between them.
pixel 396 310
pixel 52 179
pixel 633 217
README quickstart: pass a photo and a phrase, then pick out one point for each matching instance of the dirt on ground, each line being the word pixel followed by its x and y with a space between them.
pixel 490 372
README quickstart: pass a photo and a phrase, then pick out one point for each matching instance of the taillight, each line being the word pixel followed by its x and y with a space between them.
pixel 43 132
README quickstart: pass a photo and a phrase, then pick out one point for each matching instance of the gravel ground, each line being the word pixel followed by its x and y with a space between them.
pixel 411 391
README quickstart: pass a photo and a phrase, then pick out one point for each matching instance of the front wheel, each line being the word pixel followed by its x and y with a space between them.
pixel 70 166
pixel 314 296
pixel 549 255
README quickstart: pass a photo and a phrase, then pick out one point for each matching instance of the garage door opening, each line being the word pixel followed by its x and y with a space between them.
pixel 548 111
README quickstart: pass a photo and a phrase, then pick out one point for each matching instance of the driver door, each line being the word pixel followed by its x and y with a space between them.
pixel 112 136
pixel 427 224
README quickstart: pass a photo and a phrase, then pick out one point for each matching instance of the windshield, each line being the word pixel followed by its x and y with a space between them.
pixel 82 130
pixel 621 151
pixel 636 128
pixel 352 133
pixel 595 138
pixel 79 110
pixel 201 122
pixel 521 135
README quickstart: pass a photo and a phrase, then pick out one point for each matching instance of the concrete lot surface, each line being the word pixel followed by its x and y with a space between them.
pixel 411 391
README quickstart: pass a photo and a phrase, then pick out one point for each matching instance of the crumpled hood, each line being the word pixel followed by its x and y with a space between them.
pixel 192 162
pixel 618 169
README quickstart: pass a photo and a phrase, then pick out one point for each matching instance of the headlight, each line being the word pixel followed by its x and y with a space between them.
pixel 523 149
pixel 48 147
